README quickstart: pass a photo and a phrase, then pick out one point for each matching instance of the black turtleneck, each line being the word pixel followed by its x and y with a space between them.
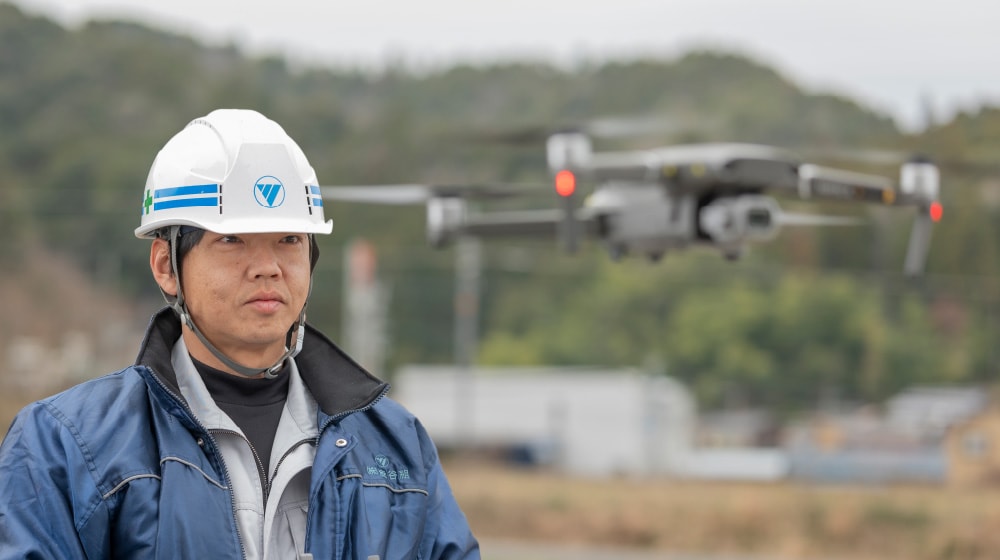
pixel 255 405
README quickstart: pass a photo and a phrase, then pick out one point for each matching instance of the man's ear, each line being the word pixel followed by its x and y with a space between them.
pixel 159 263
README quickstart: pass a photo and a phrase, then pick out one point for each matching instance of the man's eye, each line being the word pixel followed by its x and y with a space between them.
pixel 229 239
pixel 293 239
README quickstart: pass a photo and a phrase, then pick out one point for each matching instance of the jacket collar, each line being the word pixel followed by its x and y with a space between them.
pixel 336 381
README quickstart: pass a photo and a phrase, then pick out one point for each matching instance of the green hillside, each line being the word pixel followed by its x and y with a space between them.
pixel 83 111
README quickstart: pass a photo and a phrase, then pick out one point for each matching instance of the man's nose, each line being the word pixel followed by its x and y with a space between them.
pixel 264 261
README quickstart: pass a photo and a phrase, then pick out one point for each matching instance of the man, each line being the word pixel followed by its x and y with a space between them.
pixel 240 432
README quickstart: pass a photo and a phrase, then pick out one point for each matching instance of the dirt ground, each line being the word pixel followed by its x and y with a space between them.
pixel 544 515
pixel 727 520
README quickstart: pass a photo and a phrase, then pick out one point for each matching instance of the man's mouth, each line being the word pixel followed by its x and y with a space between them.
pixel 266 303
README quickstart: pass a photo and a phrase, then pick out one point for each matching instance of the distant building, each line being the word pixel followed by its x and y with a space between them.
pixel 737 428
pixel 926 413
pixel 580 420
pixel 736 445
pixel 862 429
pixel 604 422
pixel 915 439
pixel 972 449
pixel 585 421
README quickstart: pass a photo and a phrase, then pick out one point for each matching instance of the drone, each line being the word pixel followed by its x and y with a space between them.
pixel 653 201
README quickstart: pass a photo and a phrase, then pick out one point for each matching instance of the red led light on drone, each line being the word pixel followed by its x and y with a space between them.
pixel 565 183
pixel 936 211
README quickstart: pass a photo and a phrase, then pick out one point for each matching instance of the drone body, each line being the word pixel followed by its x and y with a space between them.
pixel 649 202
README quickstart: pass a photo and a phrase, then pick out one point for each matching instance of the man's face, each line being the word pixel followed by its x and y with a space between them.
pixel 244 291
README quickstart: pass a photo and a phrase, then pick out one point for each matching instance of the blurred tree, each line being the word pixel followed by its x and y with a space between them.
pixel 83 111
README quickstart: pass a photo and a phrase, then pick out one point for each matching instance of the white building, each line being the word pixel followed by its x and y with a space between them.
pixel 928 412
pixel 581 420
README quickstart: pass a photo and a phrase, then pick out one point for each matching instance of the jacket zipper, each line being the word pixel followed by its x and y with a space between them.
pixel 277 466
pixel 215 447
pixel 345 413
pixel 266 479
pixel 322 429
pixel 265 483
pixel 225 469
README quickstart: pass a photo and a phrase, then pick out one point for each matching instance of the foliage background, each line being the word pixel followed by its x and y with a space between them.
pixel 817 315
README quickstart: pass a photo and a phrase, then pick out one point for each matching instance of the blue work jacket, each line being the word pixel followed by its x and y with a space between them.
pixel 118 467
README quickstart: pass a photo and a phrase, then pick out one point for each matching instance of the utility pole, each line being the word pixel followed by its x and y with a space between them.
pixel 365 307
pixel 468 267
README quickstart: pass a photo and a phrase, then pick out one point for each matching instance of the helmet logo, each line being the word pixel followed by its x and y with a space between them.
pixel 269 191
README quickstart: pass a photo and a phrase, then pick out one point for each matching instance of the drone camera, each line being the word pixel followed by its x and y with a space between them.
pixel 760 218
pixel 738 219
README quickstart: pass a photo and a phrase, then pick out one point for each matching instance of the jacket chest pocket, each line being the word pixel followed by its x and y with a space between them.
pixel 383 519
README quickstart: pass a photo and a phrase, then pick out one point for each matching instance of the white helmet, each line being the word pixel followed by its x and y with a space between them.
pixel 232 171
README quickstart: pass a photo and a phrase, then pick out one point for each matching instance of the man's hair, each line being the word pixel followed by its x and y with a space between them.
pixel 190 236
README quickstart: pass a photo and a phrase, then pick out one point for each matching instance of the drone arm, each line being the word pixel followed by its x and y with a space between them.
pixel 835 184
pixel 447 219
pixel 401 194
pixel 918 187
pixel 540 223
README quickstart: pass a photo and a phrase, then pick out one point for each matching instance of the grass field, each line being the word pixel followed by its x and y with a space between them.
pixel 768 520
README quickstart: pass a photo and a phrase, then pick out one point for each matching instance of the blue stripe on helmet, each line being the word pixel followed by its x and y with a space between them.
pixel 187 190
pixel 186 202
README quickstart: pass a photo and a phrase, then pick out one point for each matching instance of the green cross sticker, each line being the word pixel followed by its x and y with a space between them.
pixel 147 203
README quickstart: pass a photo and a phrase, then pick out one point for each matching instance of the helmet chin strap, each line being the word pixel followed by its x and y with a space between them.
pixel 177 303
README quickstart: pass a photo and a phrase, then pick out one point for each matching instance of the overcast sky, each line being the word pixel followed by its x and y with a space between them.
pixel 893 55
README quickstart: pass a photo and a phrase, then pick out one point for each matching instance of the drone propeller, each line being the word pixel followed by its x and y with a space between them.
pixel 610 127
pixel 889 157
pixel 642 126
pixel 797 219
pixel 872 156
pixel 412 193
pixel 379 194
